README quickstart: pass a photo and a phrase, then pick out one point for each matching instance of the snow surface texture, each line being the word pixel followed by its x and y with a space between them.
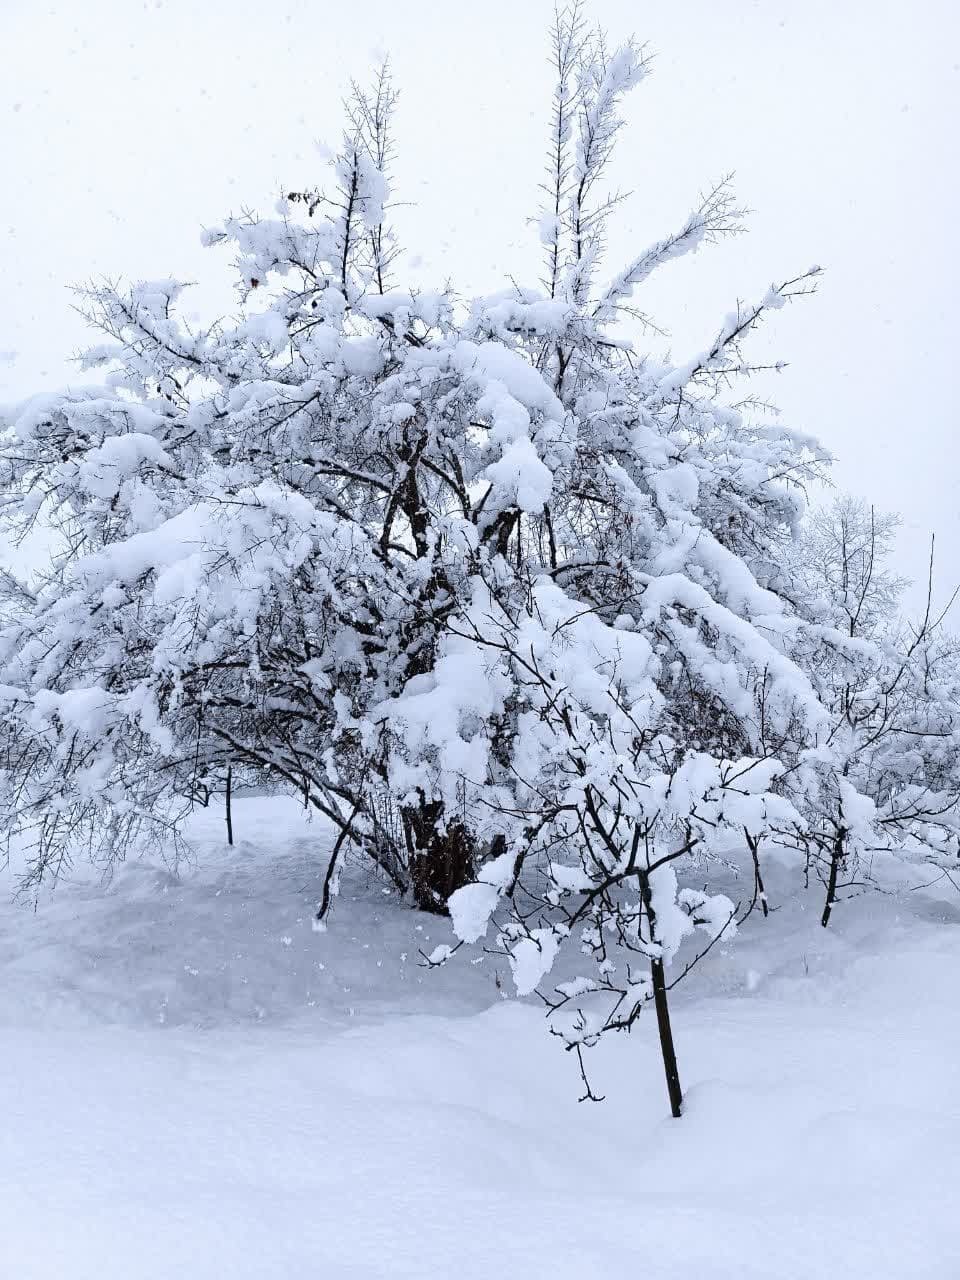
pixel 196 1084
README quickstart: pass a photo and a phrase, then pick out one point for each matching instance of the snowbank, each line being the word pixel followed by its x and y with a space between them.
pixel 196 1084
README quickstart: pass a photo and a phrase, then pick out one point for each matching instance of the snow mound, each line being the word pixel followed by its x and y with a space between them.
pixel 197 1084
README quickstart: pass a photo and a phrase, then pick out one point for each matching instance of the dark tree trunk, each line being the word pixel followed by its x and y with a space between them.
pixel 229 796
pixel 441 857
pixel 668 1050
pixel 759 891
pixel 836 857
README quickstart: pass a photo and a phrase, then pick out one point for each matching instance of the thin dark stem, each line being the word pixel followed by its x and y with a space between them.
pixel 229 796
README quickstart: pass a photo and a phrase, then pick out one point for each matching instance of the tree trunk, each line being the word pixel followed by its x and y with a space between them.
pixel 229 797
pixel 441 857
pixel 759 891
pixel 667 1048
pixel 668 1051
pixel 836 857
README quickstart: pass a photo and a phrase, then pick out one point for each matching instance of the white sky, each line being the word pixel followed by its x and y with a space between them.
pixel 125 127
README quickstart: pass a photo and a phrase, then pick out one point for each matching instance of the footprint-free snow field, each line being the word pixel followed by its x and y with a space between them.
pixel 195 1084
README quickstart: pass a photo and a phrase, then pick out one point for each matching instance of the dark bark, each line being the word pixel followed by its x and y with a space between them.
pixel 668 1051
pixel 441 856
pixel 229 796
pixel 836 858
pixel 758 890
pixel 667 1048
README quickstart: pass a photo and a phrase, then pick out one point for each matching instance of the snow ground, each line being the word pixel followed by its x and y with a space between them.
pixel 195 1084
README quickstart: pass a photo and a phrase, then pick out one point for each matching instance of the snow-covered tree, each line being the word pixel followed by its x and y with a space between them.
pixel 888 783
pixel 495 591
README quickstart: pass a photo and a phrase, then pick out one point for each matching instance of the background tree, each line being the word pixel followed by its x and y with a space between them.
pixel 891 689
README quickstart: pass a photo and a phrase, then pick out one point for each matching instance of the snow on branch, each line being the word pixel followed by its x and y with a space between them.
pixel 716 216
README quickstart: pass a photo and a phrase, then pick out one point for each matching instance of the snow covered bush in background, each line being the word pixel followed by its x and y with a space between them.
pixel 891 687
pixel 496 592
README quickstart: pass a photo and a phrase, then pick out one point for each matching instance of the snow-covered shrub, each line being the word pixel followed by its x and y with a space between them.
pixel 498 593
pixel 888 777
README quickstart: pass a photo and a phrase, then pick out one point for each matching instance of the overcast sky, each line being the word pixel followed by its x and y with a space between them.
pixel 126 127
